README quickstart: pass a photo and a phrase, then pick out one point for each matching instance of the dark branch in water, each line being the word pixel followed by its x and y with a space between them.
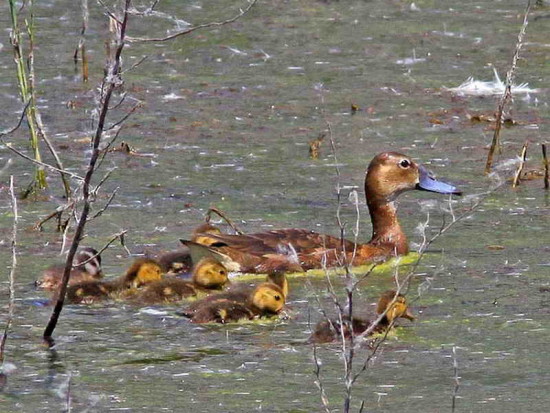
pixel 241 13
pixel 111 81
pixel 545 161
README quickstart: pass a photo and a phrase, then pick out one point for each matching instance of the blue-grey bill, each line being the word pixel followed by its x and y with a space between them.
pixel 428 183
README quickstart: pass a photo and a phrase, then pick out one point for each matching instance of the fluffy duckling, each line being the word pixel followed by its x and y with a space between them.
pixel 87 267
pixel 209 274
pixel 328 331
pixel 243 303
pixel 180 262
pixel 142 272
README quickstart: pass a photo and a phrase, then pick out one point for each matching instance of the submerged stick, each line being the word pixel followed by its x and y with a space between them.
pixel 522 156
pixel 545 161
pixel 507 95
pixel 11 304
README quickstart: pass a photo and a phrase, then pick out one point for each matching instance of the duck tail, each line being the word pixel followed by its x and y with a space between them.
pixel 199 251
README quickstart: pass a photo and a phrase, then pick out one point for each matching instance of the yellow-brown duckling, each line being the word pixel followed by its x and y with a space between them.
pixel 246 302
pixel 142 272
pixel 209 274
pixel 328 331
pixel 87 267
pixel 179 262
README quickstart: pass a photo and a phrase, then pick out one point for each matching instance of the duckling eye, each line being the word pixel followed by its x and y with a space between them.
pixel 277 297
pixel 404 163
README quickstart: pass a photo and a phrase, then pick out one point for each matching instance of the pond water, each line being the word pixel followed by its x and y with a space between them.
pixel 226 119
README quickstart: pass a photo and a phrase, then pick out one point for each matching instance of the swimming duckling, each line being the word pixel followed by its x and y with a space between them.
pixel 87 267
pixel 142 272
pixel 327 331
pixel 209 274
pixel 180 262
pixel 263 300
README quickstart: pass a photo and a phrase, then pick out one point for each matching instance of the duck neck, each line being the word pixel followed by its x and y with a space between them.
pixel 386 230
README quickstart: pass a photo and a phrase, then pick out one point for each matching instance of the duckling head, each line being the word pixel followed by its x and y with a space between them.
pixel 391 173
pixel 268 298
pixel 200 234
pixel 396 309
pixel 143 271
pixel 210 273
pixel 89 260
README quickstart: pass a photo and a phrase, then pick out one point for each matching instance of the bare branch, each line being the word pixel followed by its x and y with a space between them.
pixel 19 122
pixel 241 13
pixel 28 158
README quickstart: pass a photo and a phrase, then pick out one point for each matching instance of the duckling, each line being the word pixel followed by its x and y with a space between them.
pixel 328 331
pixel 87 267
pixel 142 272
pixel 223 312
pixel 180 262
pixel 263 300
pixel 209 274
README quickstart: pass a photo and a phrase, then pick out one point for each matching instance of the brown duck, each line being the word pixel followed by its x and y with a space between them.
pixel 389 174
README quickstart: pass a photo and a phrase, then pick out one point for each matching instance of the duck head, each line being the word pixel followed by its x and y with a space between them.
pixel 396 309
pixel 391 173
pixel 268 298
pixel 143 271
pixel 210 273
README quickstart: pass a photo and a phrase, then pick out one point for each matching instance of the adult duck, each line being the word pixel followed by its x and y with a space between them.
pixel 388 175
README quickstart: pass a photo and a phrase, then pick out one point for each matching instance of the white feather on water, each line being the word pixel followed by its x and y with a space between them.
pixel 474 87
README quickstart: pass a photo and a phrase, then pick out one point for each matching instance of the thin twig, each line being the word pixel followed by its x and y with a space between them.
pixel 457 380
pixel 19 122
pixel 222 215
pixel 522 157
pixel 28 158
pixel 11 304
pixel 507 95
pixel 241 13
pixel 545 163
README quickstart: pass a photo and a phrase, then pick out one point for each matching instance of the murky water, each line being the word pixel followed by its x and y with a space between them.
pixel 227 117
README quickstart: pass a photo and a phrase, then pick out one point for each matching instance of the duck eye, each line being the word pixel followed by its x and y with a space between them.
pixel 404 163
pixel 277 297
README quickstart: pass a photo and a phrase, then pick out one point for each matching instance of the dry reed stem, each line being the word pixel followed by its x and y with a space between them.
pixel 507 95
pixel 522 157
pixel 457 380
pixel 11 287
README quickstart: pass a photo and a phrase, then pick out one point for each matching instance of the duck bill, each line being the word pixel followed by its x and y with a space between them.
pixel 427 182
